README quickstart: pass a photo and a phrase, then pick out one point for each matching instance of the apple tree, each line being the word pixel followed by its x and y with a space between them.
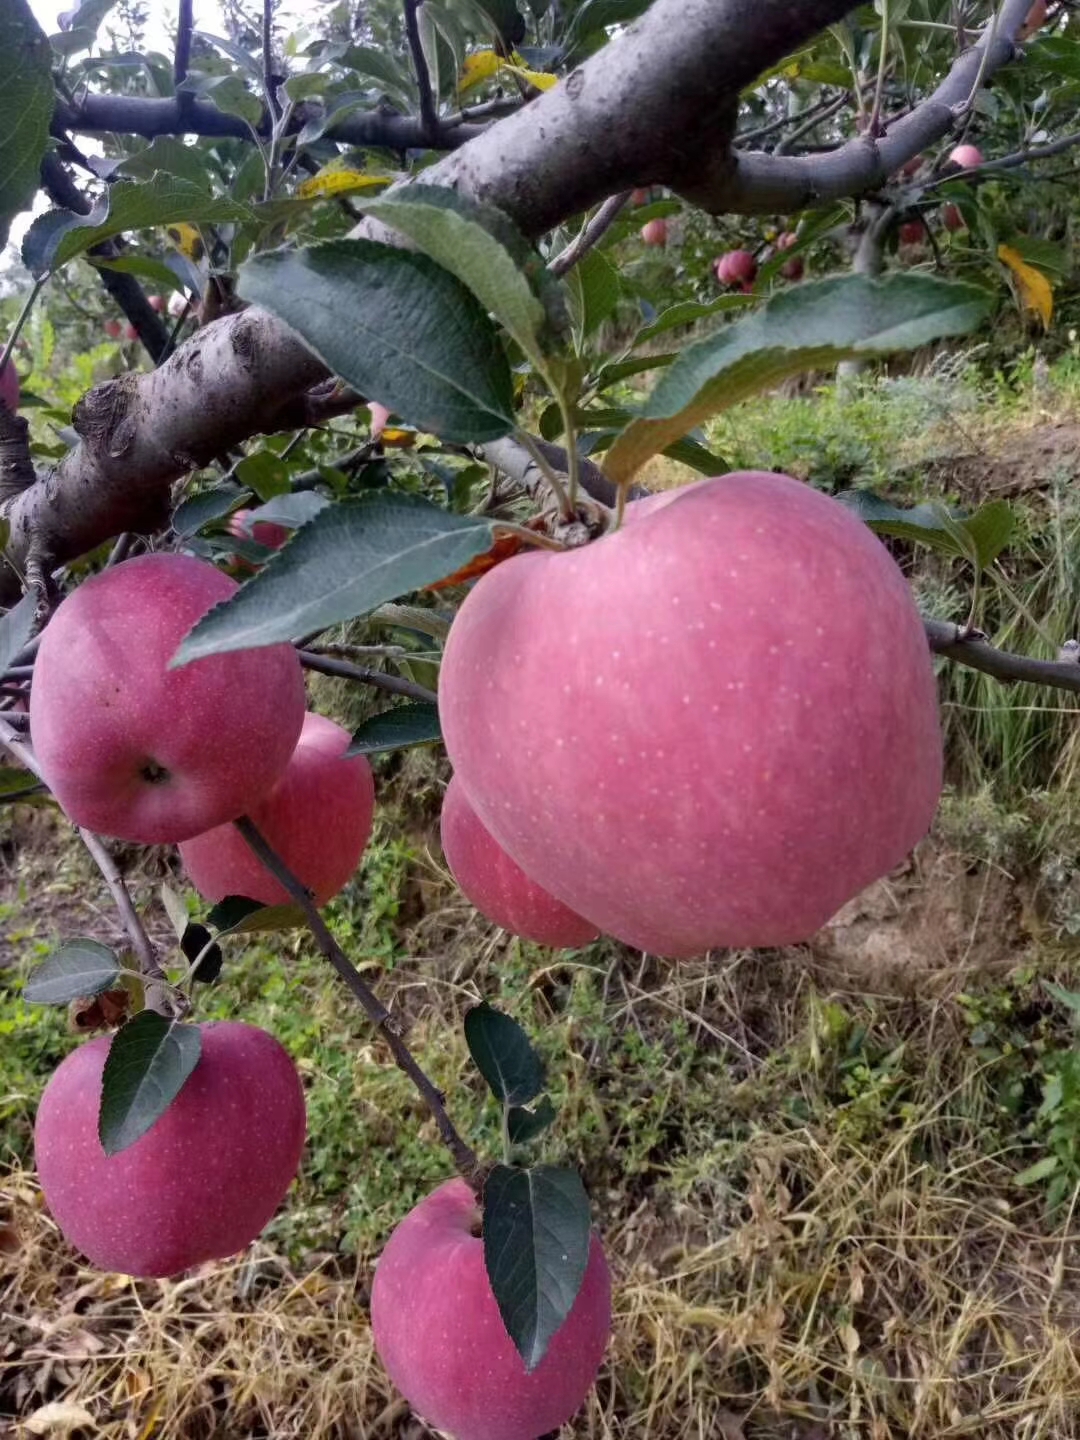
pixel 363 271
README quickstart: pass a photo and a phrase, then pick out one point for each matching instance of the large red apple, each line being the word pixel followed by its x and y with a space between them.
pixel 317 818
pixel 204 1179
pixel 711 728
pixel 439 1333
pixel 498 887
pixel 736 267
pixel 133 749
pixel 9 386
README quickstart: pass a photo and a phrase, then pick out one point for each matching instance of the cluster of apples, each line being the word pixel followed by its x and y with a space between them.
pixel 710 728
pixel 963 157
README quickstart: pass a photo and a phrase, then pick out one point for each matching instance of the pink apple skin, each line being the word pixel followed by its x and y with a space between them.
pixel 263 532
pixel 737 267
pixel 498 888
pixel 317 818
pixel 9 386
pixel 201 1183
pixel 439 1333
pixel 133 749
pixel 711 728
pixel 380 418
pixel 655 232
pixel 966 156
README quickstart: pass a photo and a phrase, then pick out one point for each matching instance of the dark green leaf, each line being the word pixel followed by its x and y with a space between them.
pixel 197 941
pixel 693 453
pixel 207 506
pixel 396 327
pixel 479 245
pixel 60 235
pixel 595 289
pixel 396 729
pixel 294 509
pixel 504 1055
pixel 26 107
pixel 156 271
pixel 15 627
pixel 76 969
pixel 265 473
pixel 19 785
pixel 524 1125
pixel 168 155
pixel 990 528
pixel 537 1235
pixel 148 1062
pixel 350 558
pixel 979 538
pixel 237 915
pixel 1069 998
pixel 811 326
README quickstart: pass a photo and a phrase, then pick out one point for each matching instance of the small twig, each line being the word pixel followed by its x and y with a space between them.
pixel 363 676
pixel 544 468
pixel 811 123
pixel 590 233
pixel 464 1156
pixel 17 746
pixel 268 57
pixel 975 651
pixel 429 118
pixel 24 315
pixel 182 56
pixel 120 550
pixel 358 652
pixel 1007 162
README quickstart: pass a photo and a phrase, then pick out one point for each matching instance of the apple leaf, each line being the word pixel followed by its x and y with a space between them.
pixel 484 250
pixel 15 627
pixel 61 235
pixel 76 969
pixel 349 559
pixel 523 1125
pixel 148 1062
pixel 27 100
pixel 537 1233
pixel 197 943
pixel 396 729
pixel 208 506
pixel 395 326
pixel 979 538
pixel 18 785
pixel 595 290
pixel 238 915
pixel 294 509
pixel 504 1055
pixel 811 326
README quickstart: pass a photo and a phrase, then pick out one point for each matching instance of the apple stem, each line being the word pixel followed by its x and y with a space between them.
pixel 388 1025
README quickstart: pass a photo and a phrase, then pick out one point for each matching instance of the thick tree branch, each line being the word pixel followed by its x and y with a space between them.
pixel 750 183
pixel 185 115
pixel 464 1156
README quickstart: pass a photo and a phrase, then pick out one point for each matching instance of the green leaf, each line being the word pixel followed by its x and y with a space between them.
pixel 60 235
pixel 395 326
pixel 697 457
pixel 812 326
pixel 396 729
pixel 1041 1170
pixel 595 290
pixel 27 100
pixel 294 509
pixel 148 1062
pixel 688 312
pixel 350 558
pixel 19 785
pixel 1069 998
pixel 208 505
pixel 482 248
pixel 265 473
pixel 197 943
pixel 15 627
pixel 238 915
pixel 523 1125
pixel 229 94
pixel 979 538
pixel 156 271
pixel 170 156
pixel 76 969
pixel 537 1234
pixel 504 1055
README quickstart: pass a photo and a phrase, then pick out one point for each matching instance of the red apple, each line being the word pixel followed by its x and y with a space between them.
pixel 205 1178
pixel 263 532
pixel 380 418
pixel 655 232
pixel 951 217
pixel 640 197
pixel 133 749
pixel 1036 19
pixel 158 303
pixel 9 386
pixel 911 167
pixel 710 728
pixel 736 267
pixel 438 1330
pixel 130 333
pixel 786 240
pixel 498 888
pixel 966 157
pixel 317 818
pixel 113 329
pixel 793 269
pixel 912 232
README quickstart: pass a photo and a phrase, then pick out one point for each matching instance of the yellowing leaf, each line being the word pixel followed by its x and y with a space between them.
pixel 537 78
pixel 330 181
pixel 186 239
pixel 59 1417
pixel 479 66
pixel 1034 289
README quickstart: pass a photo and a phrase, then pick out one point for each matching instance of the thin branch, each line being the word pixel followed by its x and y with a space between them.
pixel 975 651
pixel 788 143
pixel 464 1156
pixel 1008 162
pixel 324 665
pixel 182 56
pixel 268 56
pixel 17 746
pixel 429 117
pixel 590 234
